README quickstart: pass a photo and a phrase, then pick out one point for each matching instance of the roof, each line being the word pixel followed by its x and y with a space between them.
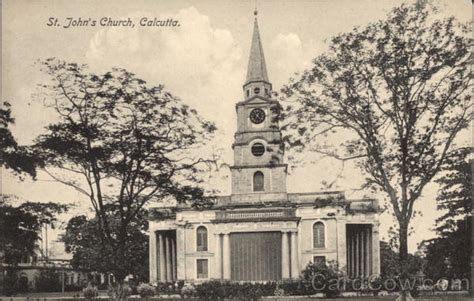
pixel 257 69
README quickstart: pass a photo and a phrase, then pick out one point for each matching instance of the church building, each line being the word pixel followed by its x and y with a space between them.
pixel 261 232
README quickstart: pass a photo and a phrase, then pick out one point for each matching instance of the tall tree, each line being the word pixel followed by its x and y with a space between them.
pixel 449 254
pixel 82 239
pixel 399 90
pixel 455 192
pixel 13 156
pixel 122 144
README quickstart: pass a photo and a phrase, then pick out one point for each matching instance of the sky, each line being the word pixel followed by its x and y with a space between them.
pixel 203 61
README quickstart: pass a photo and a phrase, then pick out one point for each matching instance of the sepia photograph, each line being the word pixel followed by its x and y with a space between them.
pixel 272 150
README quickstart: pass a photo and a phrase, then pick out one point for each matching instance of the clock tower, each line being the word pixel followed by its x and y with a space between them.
pixel 259 172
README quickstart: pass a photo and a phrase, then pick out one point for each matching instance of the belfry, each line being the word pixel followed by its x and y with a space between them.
pixel 260 232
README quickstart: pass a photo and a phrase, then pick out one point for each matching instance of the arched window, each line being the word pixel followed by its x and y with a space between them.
pixel 258 181
pixel 201 238
pixel 318 235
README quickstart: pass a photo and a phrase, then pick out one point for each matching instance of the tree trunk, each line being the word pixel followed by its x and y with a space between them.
pixel 403 255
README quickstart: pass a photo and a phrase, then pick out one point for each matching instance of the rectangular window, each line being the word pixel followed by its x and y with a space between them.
pixel 319 260
pixel 201 268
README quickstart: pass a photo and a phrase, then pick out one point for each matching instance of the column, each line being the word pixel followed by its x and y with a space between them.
pixel 173 259
pixel 357 254
pixel 353 272
pixel 342 249
pixel 180 252
pixel 362 252
pixel 169 274
pixel 218 260
pixel 152 257
pixel 161 252
pixel 295 271
pixel 368 269
pixel 226 256
pixel 285 256
pixel 375 250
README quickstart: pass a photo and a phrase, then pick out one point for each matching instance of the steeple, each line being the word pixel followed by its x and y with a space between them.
pixel 259 171
pixel 257 83
pixel 257 70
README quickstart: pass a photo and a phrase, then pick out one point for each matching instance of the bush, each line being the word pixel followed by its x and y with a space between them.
pixel 215 290
pixel 119 291
pixel 48 280
pixel 188 290
pixel 169 288
pixel 145 290
pixel 322 278
pixel 90 292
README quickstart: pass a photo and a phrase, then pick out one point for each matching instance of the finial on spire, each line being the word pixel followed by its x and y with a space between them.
pixel 257 69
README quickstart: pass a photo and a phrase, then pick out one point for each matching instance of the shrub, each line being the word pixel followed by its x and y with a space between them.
pixel 322 278
pixel 119 291
pixel 145 290
pixel 48 280
pixel 188 290
pixel 169 288
pixel 90 292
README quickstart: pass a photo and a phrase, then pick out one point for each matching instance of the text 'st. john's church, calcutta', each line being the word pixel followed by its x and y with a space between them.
pixel 260 232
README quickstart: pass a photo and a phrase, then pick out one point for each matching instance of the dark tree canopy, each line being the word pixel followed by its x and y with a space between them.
pixel 449 254
pixel 455 193
pixel 399 89
pixel 82 239
pixel 122 144
pixel 20 227
pixel 13 156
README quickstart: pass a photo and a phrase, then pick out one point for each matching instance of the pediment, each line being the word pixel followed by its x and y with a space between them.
pixel 257 99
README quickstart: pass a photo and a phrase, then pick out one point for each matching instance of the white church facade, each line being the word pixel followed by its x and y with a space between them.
pixel 260 232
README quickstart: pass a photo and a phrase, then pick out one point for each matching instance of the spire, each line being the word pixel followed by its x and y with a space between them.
pixel 257 70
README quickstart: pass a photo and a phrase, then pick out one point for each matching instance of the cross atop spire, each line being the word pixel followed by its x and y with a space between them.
pixel 257 69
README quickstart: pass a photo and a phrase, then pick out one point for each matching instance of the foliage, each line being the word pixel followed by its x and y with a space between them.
pixel 90 292
pixel 449 254
pixel 19 227
pixel 122 144
pixel 82 239
pixel 455 194
pixel 18 158
pixel 48 280
pixel 119 291
pixel 169 288
pixel 188 290
pixel 399 90
pixel 390 265
pixel 215 290
pixel 10 284
pixel 145 290
pixel 323 277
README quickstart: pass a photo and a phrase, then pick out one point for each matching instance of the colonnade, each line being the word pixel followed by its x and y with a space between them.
pixel 163 265
pixel 359 251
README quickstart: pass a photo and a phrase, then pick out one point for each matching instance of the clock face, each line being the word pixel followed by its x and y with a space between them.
pixel 257 116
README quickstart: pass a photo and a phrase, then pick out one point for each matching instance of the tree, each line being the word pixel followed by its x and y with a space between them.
pixel 455 193
pixel 122 144
pixel 389 263
pixel 19 233
pixel 13 156
pixel 82 239
pixel 449 255
pixel 399 90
